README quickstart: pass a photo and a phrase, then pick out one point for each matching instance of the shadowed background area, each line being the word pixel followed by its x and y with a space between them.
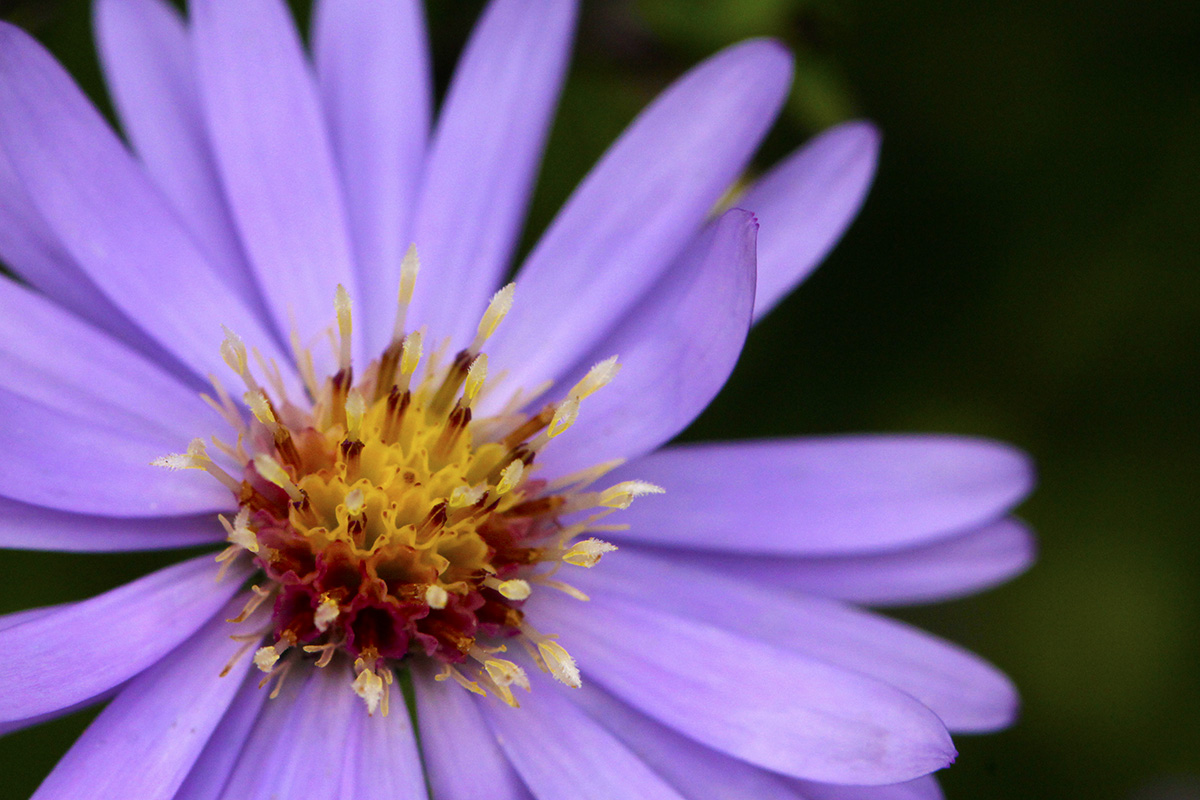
pixel 1024 269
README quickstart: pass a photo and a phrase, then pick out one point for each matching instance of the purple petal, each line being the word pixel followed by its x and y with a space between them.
pixel 967 693
pixel 462 758
pixel 693 769
pixel 66 386
pixel 298 745
pixel 80 650
pixel 772 707
pixel 145 742
pixel 30 248
pixel 676 349
pixel 636 211
pixel 941 570
pixel 147 61
pixel 211 770
pixel 805 204
pixel 28 722
pixel 925 788
pixel 274 157
pixel 28 615
pixel 382 758
pixel 825 496
pixel 49 356
pixel 81 463
pixel 373 70
pixel 564 755
pixel 35 528
pixel 484 158
pixel 108 215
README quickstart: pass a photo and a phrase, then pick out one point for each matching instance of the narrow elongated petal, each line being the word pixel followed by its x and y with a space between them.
pixel 384 762
pixel 28 722
pixel 925 788
pixel 941 570
pixel 17 618
pixel 273 731
pixel 462 757
pixel 297 747
pixel 145 742
pixel 967 693
pixel 772 707
pixel 84 464
pixel 108 215
pixel 694 770
pixel 825 496
pixel 79 650
pixel 30 248
pixel 636 211
pixel 211 770
pixel 35 528
pixel 53 358
pixel 484 157
pixel 275 160
pixel 676 349
pixel 372 64
pixel 562 753
pixel 147 61
pixel 805 203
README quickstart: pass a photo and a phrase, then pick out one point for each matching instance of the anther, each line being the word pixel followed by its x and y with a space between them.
pixel 562 666
pixel 597 378
pixel 510 476
pixel 588 552
pixel 463 496
pixel 408 281
pixel 341 303
pixel 476 375
pixel 233 352
pixel 436 597
pixel 497 309
pixel 356 408
pixel 369 686
pixel 239 533
pixel 564 417
pixel 266 657
pixel 624 493
pixel 272 471
pixel 260 406
pixel 327 611
pixel 515 589
pixel 410 356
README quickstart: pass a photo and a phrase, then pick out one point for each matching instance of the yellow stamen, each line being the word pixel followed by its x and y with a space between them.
pixel 588 552
pixel 624 493
pixel 597 378
pixel 341 304
pixel 408 280
pixel 272 471
pixel 497 309
pixel 436 596
pixel 476 375
pixel 511 476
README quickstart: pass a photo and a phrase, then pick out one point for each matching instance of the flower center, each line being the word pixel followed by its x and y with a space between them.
pixel 389 523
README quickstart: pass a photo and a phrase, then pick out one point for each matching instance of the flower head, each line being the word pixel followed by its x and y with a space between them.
pixel 277 324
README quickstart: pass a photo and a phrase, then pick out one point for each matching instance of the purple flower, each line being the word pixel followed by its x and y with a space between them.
pixel 414 515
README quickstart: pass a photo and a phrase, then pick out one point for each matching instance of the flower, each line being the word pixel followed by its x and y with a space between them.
pixel 425 526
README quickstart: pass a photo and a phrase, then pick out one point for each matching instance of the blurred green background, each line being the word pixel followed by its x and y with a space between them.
pixel 1025 269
